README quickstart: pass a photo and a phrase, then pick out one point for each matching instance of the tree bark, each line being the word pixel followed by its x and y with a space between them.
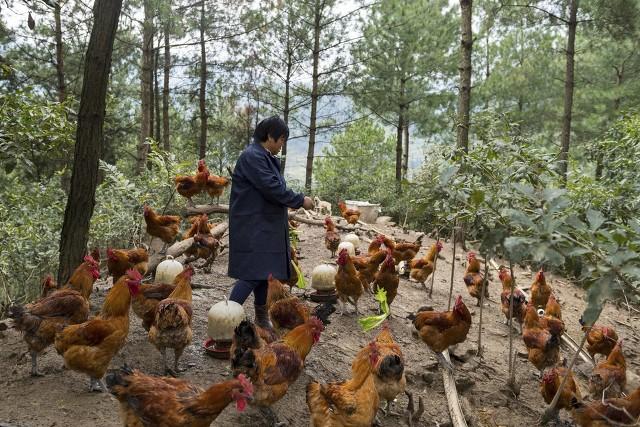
pixel 156 93
pixel 62 87
pixel 152 92
pixel 166 143
pixel 81 201
pixel 203 86
pixel 568 92
pixel 145 83
pixel 464 68
pixel 285 110
pixel 317 16
pixel 405 150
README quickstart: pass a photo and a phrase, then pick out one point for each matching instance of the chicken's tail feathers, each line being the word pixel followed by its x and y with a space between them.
pixel 22 319
pixel 323 311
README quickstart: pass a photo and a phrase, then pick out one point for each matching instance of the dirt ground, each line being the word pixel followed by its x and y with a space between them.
pixel 61 399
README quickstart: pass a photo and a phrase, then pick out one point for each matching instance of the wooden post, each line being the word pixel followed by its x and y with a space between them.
pixel 483 290
pixel 453 262
pixel 435 262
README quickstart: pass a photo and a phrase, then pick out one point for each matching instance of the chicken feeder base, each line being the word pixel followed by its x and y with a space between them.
pixel 217 349
pixel 324 296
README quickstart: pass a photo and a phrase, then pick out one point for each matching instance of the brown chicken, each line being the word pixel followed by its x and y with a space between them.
pixel 348 285
pixel 216 185
pixel 170 402
pixel 274 367
pixel 543 346
pixel 89 347
pixel 187 187
pixel 421 268
pixel 600 340
pixel 552 319
pixel 550 384
pixel 388 372
pixel 205 246
pixel 387 278
pixel 95 254
pixel 473 279
pixel 121 260
pixel 331 237
pixel 599 413
pixel 164 227
pixel 287 311
pixel 144 303
pixel 40 321
pixel 609 378
pixel 350 403
pixel 519 298
pixel 351 215
pixel 540 291
pixel 171 327
pixel 375 245
pixel 48 286
pixel 84 276
pixel 367 267
pixel 440 330
pixel 199 224
pixel 403 251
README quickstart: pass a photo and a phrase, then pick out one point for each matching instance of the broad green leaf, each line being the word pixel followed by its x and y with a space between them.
pixel 301 283
pixel 595 218
pixel 371 322
pixel 550 194
pixel 621 257
pixel 477 196
pixel 520 218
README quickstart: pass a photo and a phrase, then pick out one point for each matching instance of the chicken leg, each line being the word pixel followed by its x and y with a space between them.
pixel 34 364
pixel 444 362
pixel 96 384
pixel 271 417
pixel 413 415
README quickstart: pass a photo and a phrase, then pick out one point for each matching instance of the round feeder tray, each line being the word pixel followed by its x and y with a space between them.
pixel 219 350
pixel 324 296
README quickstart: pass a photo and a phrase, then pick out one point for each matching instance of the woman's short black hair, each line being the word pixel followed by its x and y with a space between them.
pixel 274 126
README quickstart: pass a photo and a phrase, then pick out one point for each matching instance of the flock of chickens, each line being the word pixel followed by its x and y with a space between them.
pixel 265 362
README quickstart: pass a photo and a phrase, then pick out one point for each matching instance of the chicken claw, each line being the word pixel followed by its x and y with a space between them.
pixel 34 365
pixel 412 414
pixel 97 385
pixel 271 417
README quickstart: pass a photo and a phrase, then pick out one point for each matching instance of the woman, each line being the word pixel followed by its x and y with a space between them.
pixel 258 217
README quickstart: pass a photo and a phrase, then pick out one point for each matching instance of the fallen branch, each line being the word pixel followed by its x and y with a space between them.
pixel 453 401
pixel 182 246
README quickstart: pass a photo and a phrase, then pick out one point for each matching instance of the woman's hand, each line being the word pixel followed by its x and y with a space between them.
pixel 308 203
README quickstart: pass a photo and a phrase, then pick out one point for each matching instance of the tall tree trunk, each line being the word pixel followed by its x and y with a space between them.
pixel 405 150
pixel 464 67
pixel 399 129
pixel 152 92
pixel 62 87
pixel 314 96
pixel 145 85
pixel 165 88
pixel 203 86
pixel 156 93
pixel 568 92
pixel 81 201
pixel 285 110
